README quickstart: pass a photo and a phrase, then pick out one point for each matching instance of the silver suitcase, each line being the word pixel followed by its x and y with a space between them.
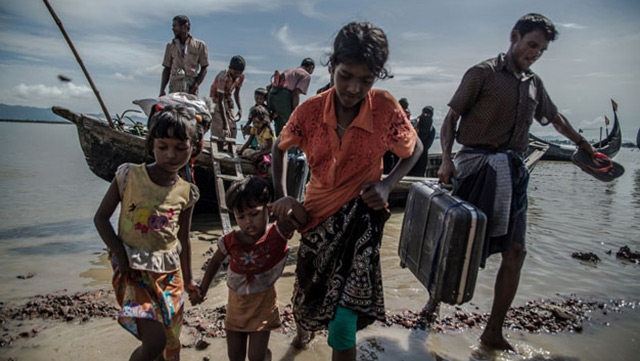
pixel 441 242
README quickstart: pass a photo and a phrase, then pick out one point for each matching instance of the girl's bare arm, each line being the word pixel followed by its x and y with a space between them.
pixel 184 235
pixel 376 194
pixel 212 270
pixel 246 144
pixel 105 229
pixel 103 214
pixel 279 170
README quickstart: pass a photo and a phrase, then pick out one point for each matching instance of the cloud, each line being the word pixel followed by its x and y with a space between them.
pixel 38 91
pixel 307 8
pixel 121 76
pixel 421 74
pixel 30 46
pixel 597 74
pixel 293 47
pixel 106 50
pixel 413 35
pixel 257 71
pixel 572 26
pixel 139 13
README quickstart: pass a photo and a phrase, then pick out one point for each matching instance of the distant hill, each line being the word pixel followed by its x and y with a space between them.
pixel 23 113
pixel 19 112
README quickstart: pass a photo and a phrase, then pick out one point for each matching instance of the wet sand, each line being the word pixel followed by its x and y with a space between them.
pixel 81 325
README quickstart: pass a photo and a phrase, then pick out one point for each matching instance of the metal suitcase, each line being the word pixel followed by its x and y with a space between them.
pixel 441 242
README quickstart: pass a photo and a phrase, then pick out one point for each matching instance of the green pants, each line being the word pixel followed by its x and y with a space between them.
pixel 280 100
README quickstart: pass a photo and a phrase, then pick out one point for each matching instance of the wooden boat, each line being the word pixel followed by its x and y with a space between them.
pixel 608 146
pixel 105 148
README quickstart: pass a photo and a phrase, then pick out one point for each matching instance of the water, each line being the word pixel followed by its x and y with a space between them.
pixel 50 196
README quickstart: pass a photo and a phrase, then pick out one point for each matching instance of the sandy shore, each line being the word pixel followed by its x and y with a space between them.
pixel 81 325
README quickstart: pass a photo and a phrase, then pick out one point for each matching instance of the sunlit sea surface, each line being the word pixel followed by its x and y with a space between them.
pixel 49 196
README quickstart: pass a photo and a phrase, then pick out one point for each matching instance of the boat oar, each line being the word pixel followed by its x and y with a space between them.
pixel 84 69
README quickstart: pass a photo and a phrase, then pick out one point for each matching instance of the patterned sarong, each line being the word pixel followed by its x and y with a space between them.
pixel 339 264
pixel 154 296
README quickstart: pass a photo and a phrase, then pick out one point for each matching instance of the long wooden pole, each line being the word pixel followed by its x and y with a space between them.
pixel 84 69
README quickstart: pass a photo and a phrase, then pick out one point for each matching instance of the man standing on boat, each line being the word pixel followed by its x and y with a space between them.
pixel 284 94
pixel 497 100
pixel 185 60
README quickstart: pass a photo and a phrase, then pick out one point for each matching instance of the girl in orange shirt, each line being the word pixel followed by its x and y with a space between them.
pixel 344 132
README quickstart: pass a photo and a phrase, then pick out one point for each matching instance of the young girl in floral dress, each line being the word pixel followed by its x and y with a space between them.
pixel 151 253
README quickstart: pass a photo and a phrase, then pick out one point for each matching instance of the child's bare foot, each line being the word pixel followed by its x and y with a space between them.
pixel 302 338
pixel 431 311
pixel 496 342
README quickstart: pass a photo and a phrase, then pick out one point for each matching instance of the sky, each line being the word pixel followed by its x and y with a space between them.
pixel 432 44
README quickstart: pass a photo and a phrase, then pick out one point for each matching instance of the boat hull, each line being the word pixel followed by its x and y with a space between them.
pixel 106 148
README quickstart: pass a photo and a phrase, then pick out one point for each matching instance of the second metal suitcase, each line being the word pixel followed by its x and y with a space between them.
pixel 441 242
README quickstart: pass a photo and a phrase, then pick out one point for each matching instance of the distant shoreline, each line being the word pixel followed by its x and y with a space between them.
pixel 35 121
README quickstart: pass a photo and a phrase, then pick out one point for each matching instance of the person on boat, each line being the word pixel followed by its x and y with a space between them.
pixel 426 133
pixel 185 60
pixel 227 81
pixel 404 103
pixel 257 256
pixel 261 130
pixel 151 253
pixel 284 92
pixel 260 98
pixel 344 132
pixel 497 101
pixel 389 159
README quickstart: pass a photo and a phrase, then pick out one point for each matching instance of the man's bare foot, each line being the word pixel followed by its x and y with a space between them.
pixel 498 342
pixel 302 338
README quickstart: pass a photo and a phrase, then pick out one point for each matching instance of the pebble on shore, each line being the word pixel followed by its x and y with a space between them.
pixel 543 315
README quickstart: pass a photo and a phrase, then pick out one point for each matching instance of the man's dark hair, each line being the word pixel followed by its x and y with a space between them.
pixel 534 21
pixel 404 103
pixel 260 91
pixel 308 62
pixel 237 63
pixel 427 109
pixel 249 192
pixel 361 43
pixel 182 19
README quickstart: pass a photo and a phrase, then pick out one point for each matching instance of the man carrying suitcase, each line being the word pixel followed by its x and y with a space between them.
pixel 497 101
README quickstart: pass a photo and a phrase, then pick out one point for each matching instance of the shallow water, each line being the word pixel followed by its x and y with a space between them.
pixel 46 228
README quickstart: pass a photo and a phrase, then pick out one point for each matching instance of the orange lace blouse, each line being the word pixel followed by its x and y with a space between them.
pixel 340 167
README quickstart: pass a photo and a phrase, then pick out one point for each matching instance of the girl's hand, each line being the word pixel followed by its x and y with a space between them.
pixel 375 195
pixel 124 268
pixel 283 210
pixel 195 296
